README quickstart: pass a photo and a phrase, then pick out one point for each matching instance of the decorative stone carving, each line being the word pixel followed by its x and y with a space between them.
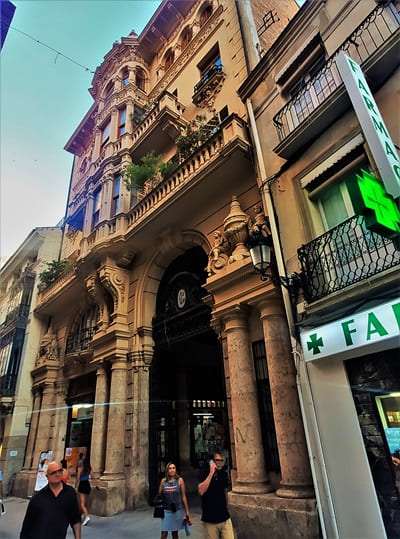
pixel 115 281
pixel 236 228
pixel 259 226
pixel 219 253
pixel 48 350
pixel 97 292
pixel 72 233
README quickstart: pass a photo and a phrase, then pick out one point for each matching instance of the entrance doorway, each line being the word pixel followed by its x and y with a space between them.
pixel 188 417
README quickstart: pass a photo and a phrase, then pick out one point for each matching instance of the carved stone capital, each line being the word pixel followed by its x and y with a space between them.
pixel 98 294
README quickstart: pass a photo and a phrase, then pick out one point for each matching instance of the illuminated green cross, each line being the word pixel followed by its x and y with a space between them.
pixel 315 343
pixel 370 198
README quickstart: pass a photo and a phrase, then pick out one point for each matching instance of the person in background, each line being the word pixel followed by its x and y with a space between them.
pixel 212 489
pixel 2 508
pixel 52 509
pixel 85 472
pixel 172 487
pixel 65 476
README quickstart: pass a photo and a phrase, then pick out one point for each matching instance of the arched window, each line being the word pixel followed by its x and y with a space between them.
pixel 169 59
pixel 186 37
pixel 83 330
pixel 205 14
pixel 108 91
pixel 125 76
pixel 140 78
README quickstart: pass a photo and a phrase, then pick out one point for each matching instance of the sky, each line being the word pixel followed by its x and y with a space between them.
pixel 43 98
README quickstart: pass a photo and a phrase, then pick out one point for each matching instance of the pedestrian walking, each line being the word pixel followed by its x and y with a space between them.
pixel 85 472
pixel 213 491
pixel 52 509
pixel 172 488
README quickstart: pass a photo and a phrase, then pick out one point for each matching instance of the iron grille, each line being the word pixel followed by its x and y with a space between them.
pixel 360 45
pixel 265 406
pixel 80 340
pixel 345 255
pixel 208 75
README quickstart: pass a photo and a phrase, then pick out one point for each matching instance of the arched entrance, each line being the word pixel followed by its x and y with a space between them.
pixel 188 418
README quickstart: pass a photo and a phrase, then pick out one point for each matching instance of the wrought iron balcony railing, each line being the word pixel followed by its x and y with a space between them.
pixel 8 383
pixel 375 30
pixel 80 340
pixel 345 255
pixel 20 314
pixel 209 81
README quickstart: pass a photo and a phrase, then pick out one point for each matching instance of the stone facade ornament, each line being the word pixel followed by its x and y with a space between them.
pixel 259 226
pixel 236 228
pixel 115 281
pixel 97 292
pixel 48 350
pixel 219 253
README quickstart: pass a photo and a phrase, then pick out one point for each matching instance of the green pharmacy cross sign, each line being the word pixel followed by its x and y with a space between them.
pixel 370 198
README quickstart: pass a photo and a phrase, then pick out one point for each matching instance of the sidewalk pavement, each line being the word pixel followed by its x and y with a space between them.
pixel 138 524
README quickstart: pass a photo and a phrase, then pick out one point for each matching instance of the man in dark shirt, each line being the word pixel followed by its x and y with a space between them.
pixel 212 489
pixel 52 508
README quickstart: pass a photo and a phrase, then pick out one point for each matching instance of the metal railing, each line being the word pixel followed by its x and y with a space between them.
pixel 80 340
pixel 360 45
pixel 20 312
pixel 8 383
pixel 208 75
pixel 345 255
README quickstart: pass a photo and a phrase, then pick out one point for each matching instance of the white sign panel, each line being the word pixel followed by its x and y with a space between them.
pixel 371 122
pixel 357 332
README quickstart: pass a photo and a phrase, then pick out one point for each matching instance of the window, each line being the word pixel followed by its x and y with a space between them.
pixel 121 121
pixel 223 113
pixel 205 15
pixel 210 64
pixel 335 205
pixel 139 78
pixel 186 37
pixel 125 77
pixel 138 114
pixel 116 194
pixel 96 208
pixel 105 136
pixel 169 59
pixel 108 91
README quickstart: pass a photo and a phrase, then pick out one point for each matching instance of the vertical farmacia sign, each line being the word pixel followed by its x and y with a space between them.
pixel 372 124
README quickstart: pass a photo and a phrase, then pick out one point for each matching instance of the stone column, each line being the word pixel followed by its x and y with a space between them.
pixel 100 415
pixel 115 444
pixel 44 424
pixel 61 419
pixel 87 223
pixel 251 471
pixel 114 125
pixel 296 479
pixel 97 143
pixel 32 429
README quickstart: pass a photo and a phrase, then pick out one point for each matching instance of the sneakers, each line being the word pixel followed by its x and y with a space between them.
pixel 86 521
pixel 2 508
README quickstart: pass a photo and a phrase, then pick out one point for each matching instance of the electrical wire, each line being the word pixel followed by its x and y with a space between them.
pixel 49 47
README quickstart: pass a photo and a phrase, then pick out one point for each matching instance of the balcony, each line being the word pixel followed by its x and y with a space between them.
pixel 16 318
pixel 48 298
pixel 343 256
pixel 323 99
pixel 80 341
pixel 8 383
pixel 209 84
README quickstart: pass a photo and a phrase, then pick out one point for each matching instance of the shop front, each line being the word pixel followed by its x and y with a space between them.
pixel 353 367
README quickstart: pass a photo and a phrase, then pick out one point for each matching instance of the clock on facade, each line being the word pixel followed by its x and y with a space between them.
pixel 181 298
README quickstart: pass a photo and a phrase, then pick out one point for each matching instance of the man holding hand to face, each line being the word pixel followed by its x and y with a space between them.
pixel 52 509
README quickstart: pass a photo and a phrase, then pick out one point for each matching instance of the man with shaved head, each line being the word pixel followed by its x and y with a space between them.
pixel 52 509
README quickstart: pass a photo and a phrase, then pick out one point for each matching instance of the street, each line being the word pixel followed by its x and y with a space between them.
pixel 138 524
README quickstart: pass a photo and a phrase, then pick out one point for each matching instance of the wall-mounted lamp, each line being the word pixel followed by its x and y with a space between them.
pixel 259 246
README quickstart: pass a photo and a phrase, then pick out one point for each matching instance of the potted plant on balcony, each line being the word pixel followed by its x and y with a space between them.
pixel 193 135
pixel 54 270
pixel 145 175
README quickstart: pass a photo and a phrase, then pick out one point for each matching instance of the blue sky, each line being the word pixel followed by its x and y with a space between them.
pixel 44 97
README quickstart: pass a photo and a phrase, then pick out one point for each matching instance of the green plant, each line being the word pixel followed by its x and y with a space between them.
pixel 193 135
pixel 55 268
pixel 150 167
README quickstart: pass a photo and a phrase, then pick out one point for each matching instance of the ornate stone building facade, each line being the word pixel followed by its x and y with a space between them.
pixel 167 345
pixel 338 254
